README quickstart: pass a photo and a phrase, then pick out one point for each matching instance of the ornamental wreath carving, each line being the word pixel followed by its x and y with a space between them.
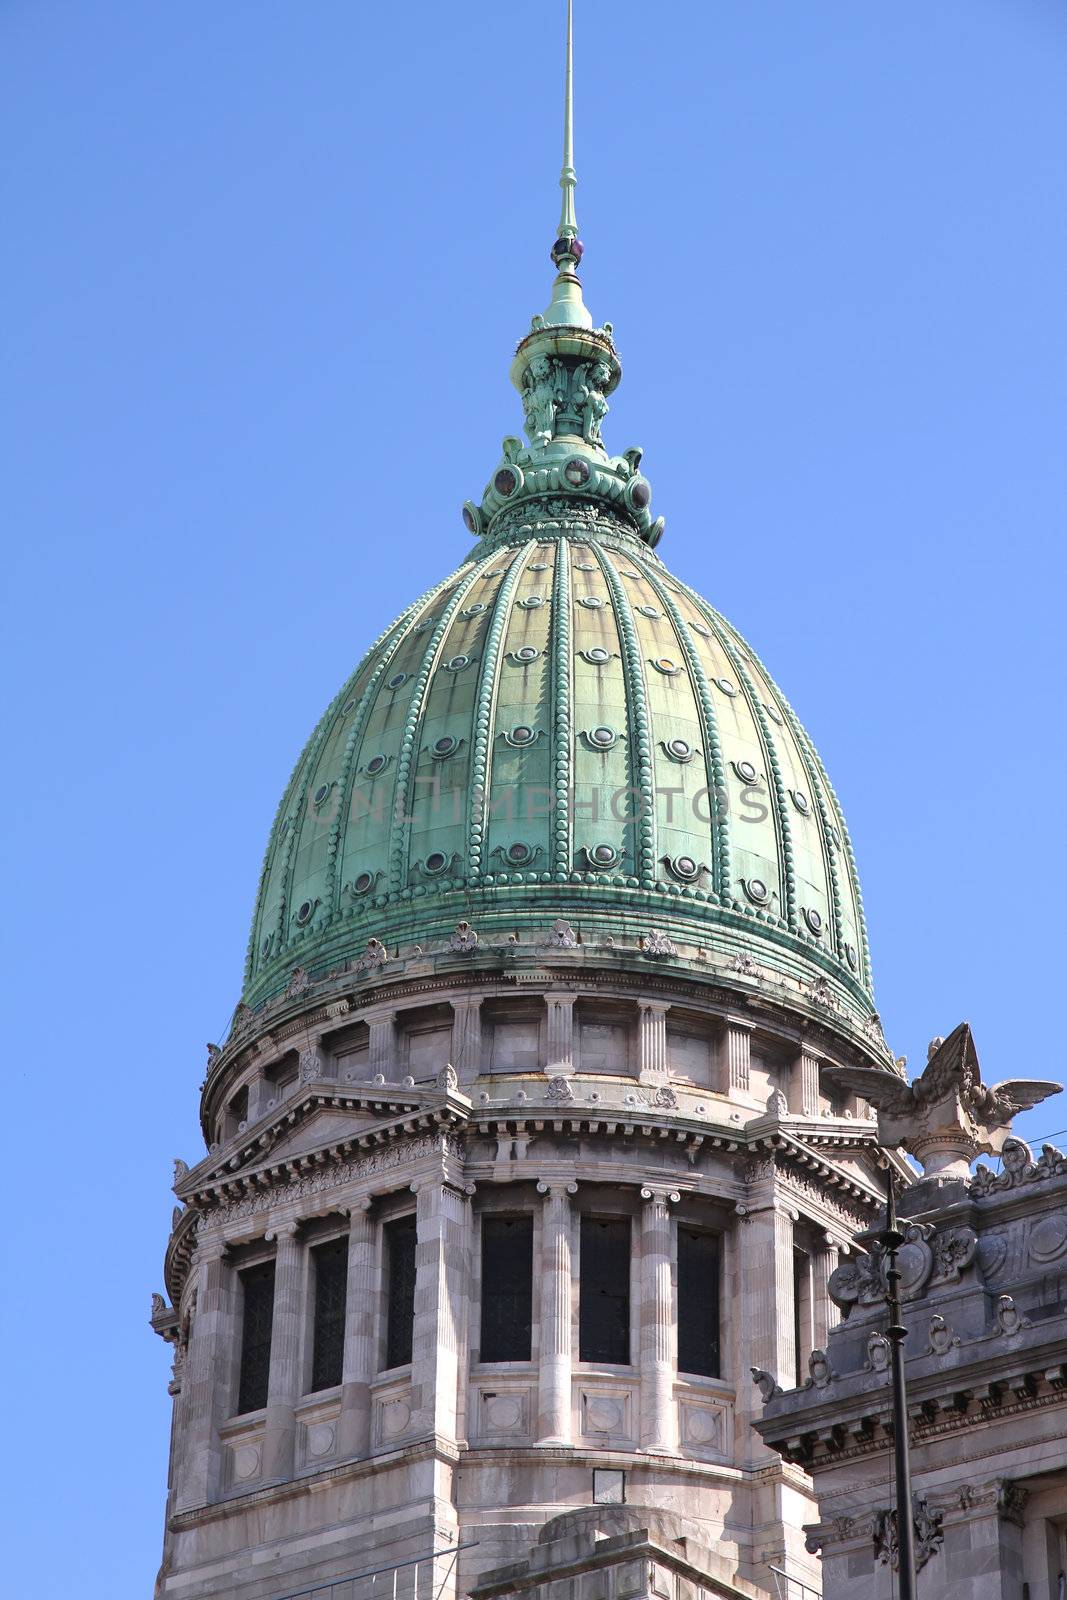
pixel 929 1534
pixel 861 1280
pixel 464 939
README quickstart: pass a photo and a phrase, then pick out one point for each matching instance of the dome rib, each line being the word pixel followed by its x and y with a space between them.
pixel 562 716
pixel 642 781
pixel 400 834
pixel 714 765
pixel 482 744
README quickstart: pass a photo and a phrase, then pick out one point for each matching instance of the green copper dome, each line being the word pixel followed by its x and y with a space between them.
pixel 561 732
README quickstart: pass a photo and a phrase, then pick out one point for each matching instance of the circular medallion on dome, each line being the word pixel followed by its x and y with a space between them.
pixel 756 890
pixel 321 792
pixel 303 913
pixel 436 861
pixel 576 472
pixel 773 712
pixel 801 801
pixel 363 883
pixel 446 745
pixel 669 668
pixel 471 518
pixel 538 566
pixel 506 481
pixel 603 855
pixel 519 853
pixel 679 749
pixel 726 686
pixel 592 602
pixel 531 602
pixel 526 653
pixel 427 622
pixel 648 611
pixel 746 771
pixel 604 737
pixel 814 922
pixel 475 610
pixel 584 566
pixel 522 734
pixel 683 867
pixel 639 493
pixel 457 663
pixel 398 680
pixel 596 657
pixel 850 956
pixel 698 627
pixel 376 764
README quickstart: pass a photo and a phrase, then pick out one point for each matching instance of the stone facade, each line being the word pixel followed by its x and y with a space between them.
pixel 449 1452
pixel 984 1285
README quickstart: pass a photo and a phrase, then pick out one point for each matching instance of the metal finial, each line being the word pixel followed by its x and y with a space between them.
pixel 566 309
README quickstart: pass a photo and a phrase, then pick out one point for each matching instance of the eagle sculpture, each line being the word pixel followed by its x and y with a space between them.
pixel 948 1115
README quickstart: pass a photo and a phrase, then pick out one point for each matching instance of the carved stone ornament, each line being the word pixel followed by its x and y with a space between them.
pixel 744 964
pixel 658 944
pixel 213 1053
pixel 821 994
pixel 929 1534
pixel 374 956
pixel 563 935
pixel 559 1088
pixel 1008 1317
pixel 1011 1501
pixel 878 1351
pixel 464 939
pixel 447 1078
pixel 820 1372
pixel 243 1018
pixel 181 1170
pixel 766 1383
pixel 777 1104
pixel 948 1116
pixel 309 1065
pixel 665 1098
pixel 299 983
pixel 159 1305
pixel 941 1337
pixel 861 1280
pixel 954 1249
pixel 1019 1168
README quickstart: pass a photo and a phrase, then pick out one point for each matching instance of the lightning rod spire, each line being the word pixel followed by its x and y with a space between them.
pixel 567 308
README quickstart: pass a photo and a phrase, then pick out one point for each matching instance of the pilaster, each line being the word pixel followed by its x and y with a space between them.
pixel 442 1275
pixel 554 1404
pixel 804 1084
pixel 764 1310
pixel 206 1380
pixel 381 1048
pixel 362 1305
pixel 824 1261
pixel 737 1045
pixel 283 1387
pixel 467 1037
pixel 560 1032
pixel 652 1037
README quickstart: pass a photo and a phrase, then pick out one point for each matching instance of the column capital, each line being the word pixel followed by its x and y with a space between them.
pixel 556 1188
pixel 358 1208
pixel 282 1231
pixel 662 1006
pixel 664 1196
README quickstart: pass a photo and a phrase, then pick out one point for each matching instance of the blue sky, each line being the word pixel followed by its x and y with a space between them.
pixel 265 266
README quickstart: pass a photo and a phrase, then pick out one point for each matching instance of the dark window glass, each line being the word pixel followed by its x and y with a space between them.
pixel 257 1318
pixel 400 1273
pixel 331 1274
pixel 604 1300
pixel 507 1288
pixel 698 1303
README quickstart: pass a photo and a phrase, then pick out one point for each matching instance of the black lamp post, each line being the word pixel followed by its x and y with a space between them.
pixel 891 1238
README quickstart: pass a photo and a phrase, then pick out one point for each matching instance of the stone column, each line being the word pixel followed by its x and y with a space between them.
pixel 283 1387
pixel 804 1085
pixel 738 1048
pixel 259 1092
pixel 560 1033
pixel 554 1404
pixel 827 1316
pixel 659 1413
pixel 207 1377
pixel 362 1305
pixel 314 1062
pixel 381 1052
pixel 467 1037
pixel 442 1250
pixel 652 1035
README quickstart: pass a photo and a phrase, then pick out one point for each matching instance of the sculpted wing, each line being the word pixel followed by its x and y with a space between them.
pixel 954 1066
pixel 1019 1094
pixel 881 1089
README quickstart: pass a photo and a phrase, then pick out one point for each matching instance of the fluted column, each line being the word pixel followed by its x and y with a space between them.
pixel 652 1041
pixel 659 1414
pixel 560 1033
pixel 738 1045
pixel 207 1378
pixel 827 1316
pixel 362 1305
pixel 283 1386
pixel 467 1037
pixel 442 1250
pixel 554 1405
pixel 804 1085
pixel 381 1050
